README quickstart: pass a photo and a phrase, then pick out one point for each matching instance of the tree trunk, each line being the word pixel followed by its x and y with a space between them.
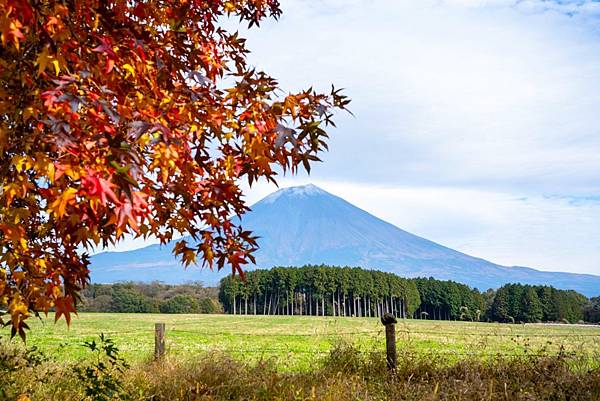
pixel 404 307
pixel 332 303
pixel 270 303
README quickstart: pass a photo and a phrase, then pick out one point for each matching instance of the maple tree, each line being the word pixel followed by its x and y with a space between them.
pixel 134 117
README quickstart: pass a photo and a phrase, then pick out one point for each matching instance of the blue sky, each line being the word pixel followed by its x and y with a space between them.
pixel 476 122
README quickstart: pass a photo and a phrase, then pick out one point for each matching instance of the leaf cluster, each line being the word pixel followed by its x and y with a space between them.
pixel 138 118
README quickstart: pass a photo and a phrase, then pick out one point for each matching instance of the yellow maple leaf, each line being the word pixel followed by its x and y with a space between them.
pixel 59 206
pixel 28 113
pixel 56 66
pixel 129 68
pixel 44 58
pixel 17 307
pixel 50 171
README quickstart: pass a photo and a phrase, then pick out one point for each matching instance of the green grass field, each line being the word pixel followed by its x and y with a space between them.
pixel 298 341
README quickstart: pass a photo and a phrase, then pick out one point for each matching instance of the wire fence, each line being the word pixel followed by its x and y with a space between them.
pixel 405 336
pixel 235 332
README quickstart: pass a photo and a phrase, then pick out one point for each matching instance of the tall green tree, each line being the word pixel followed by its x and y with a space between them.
pixel 531 307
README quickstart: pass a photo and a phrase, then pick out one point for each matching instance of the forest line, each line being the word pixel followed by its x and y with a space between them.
pixel 353 291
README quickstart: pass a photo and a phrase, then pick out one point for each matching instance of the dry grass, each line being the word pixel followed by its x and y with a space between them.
pixel 308 358
pixel 344 374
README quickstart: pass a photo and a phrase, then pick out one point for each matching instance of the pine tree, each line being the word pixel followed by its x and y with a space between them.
pixel 531 306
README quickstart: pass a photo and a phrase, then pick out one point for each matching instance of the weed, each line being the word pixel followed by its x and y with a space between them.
pixel 101 378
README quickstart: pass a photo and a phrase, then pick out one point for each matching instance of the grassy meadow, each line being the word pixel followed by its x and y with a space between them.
pixel 263 358
pixel 297 341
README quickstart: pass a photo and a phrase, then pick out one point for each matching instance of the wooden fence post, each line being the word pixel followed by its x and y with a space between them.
pixel 389 321
pixel 159 340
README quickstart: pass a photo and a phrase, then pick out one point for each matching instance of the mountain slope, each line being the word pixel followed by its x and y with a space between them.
pixel 306 225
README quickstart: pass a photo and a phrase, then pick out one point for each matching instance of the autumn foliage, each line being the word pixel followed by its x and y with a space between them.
pixel 134 117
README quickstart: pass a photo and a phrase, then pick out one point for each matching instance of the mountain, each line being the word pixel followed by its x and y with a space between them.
pixel 307 225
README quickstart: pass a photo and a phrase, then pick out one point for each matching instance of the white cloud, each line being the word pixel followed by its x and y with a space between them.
pixel 586 8
pixel 446 94
pixel 476 121
pixel 548 233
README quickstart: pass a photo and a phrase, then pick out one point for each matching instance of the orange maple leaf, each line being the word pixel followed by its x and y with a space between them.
pixel 64 307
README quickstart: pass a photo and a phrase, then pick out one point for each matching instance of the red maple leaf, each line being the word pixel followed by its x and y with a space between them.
pixel 237 259
pixel 99 187
pixel 64 306
pixel 105 47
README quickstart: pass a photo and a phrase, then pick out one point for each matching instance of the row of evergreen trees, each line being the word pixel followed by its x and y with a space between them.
pixel 527 303
pixel 448 300
pixel 346 291
pixel 352 291
pixel 591 312
pixel 319 291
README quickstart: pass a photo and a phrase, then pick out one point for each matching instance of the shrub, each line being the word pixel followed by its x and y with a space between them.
pixel 126 299
pixel 101 378
pixel 101 303
pixel 208 305
pixel 180 304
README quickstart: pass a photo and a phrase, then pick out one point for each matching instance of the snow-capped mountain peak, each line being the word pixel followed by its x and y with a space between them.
pixel 298 191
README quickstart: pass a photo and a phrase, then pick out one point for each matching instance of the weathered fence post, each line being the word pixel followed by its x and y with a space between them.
pixel 389 321
pixel 159 340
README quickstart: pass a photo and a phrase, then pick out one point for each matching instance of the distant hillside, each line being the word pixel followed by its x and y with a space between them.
pixel 307 225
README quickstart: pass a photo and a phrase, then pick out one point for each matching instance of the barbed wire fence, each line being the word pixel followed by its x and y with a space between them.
pixel 376 336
